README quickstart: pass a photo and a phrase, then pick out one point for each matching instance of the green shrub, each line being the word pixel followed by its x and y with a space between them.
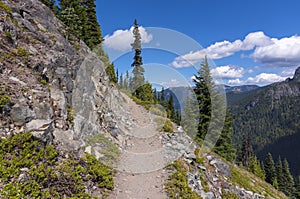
pixel 22 52
pixel 70 115
pixel 164 125
pixel 5 7
pixel 177 184
pixel 4 99
pixel 49 175
pixel 44 82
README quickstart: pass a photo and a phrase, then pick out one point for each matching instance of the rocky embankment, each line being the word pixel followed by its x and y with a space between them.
pixel 55 88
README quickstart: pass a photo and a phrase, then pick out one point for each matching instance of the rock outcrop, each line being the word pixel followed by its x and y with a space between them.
pixel 57 89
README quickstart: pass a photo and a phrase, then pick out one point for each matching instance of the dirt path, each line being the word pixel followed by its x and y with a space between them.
pixel 140 174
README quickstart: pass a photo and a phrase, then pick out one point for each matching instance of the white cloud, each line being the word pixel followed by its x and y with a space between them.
pixel 250 71
pixel 223 49
pixel 235 82
pixel 265 78
pixel 172 83
pixel 227 72
pixel 268 51
pixel 283 52
pixel 121 39
pixel 256 39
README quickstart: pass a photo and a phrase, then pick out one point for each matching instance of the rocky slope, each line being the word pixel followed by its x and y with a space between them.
pixel 57 89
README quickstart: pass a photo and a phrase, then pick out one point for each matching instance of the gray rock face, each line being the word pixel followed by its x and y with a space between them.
pixel 297 75
pixel 77 96
pixel 84 94
pixel 20 114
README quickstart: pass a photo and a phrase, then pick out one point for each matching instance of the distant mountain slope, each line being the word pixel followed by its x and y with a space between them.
pixel 240 89
pixel 268 114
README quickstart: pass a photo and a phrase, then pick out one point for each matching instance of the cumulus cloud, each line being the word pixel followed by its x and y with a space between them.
pixel 235 82
pixel 121 39
pixel 268 51
pixel 228 72
pixel 283 52
pixel 223 49
pixel 265 78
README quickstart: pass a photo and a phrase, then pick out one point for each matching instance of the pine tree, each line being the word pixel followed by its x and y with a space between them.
pixel 126 81
pixel 138 71
pixel 269 169
pixel 246 152
pixel 51 4
pixel 255 167
pixel 170 107
pixel 289 180
pixel 190 117
pixel 224 145
pixel 93 36
pixel 145 93
pixel 162 97
pixel 297 189
pixel 279 174
pixel 69 16
pixel 110 71
pixel 81 21
pixel 203 85
pixel 121 82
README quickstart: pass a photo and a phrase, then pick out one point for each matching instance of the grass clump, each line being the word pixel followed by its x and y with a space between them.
pixel 70 114
pixel 5 7
pixel 250 182
pixel 31 169
pixel 177 184
pixel 4 100
pixel 22 52
pixel 110 150
pixel 164 125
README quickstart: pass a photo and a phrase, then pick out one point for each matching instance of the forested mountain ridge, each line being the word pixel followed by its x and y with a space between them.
pixel 267 113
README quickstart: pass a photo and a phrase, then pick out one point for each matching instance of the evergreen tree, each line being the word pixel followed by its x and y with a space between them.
pixel 203 85
pixel 145 93
pixel 110 71
pixel 81 21
pixel 245 151
pixel 121 81
pixel 69 17
pixel 138 71
pixel 269 169
pixel 289 180
pixel 126 81
pixel 51 4
pixel 93 36
pixel 224 145
pixel 255 167
pixel 190 117
pixel 297 189
pixel 279 174
pixel 162 97
pixel 170 107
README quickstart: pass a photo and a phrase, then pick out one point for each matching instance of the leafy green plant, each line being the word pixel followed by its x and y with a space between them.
pixel 44 82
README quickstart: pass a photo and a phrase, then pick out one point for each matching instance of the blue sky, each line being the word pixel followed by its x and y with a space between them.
pixel 248 42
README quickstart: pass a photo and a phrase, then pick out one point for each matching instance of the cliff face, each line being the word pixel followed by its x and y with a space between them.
pixel 55 88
